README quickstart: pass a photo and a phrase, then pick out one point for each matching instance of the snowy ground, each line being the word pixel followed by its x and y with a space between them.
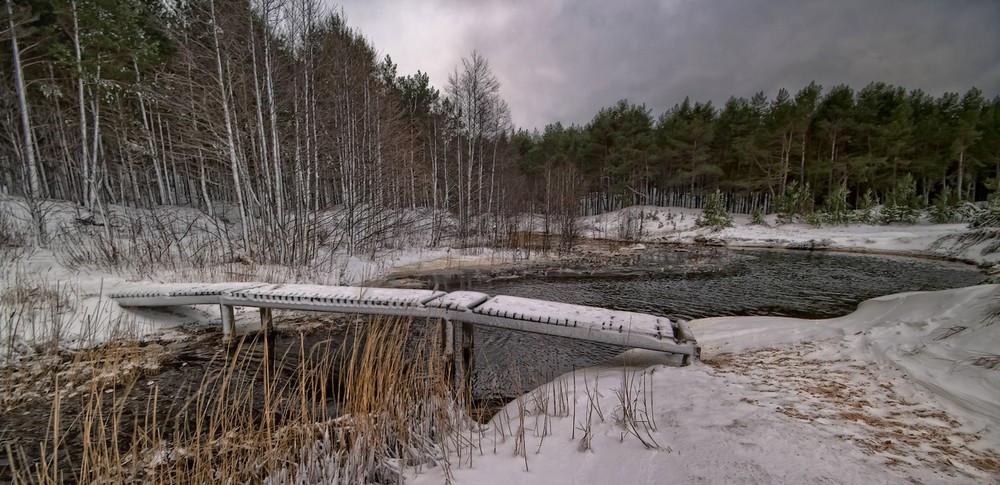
pixel 677 225
pixel 47 296
pixel 895 392
pixel 904 389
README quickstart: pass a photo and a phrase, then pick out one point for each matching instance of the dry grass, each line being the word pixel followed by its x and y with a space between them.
pixel 36 314
pixel 245 422
pixel 635 413
pixel 859 402
pixel 34 310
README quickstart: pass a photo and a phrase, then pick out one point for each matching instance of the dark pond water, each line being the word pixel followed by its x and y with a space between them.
pixel 687 285
pixel 725 282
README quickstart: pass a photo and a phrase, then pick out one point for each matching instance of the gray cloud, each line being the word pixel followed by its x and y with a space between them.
pixel 562 60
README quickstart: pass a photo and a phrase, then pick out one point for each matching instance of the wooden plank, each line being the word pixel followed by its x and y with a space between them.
pixel 576 331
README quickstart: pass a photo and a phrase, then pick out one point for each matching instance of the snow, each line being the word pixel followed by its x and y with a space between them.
pixel 351 294
pixel 459 300
pixel 677 225
pixel 556 313
pixel 907 388
pixel 168 294
pixel 882 395
pixel 935 337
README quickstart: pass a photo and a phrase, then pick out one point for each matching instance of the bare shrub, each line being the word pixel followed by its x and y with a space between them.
pixel 12 234
pixel 631 224
pixel 142 244
pixel 33 312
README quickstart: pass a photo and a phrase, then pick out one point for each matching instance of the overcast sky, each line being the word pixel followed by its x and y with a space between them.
pixel 562 60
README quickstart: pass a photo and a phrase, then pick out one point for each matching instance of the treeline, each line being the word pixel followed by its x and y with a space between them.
pixel 859 141
pixel 275 110
pixel 279 119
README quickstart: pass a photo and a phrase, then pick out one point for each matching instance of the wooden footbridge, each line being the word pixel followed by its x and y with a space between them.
pixel 458 312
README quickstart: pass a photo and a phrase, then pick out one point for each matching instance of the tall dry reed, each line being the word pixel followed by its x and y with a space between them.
pixel 359 412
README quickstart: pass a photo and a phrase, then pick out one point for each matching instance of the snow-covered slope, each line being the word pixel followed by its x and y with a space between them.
pixel 891 393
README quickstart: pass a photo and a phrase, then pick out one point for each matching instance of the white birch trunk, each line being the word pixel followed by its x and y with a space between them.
pixel 230 139
pixel 279 191
pixel 34 185
pixel 88 187
pixel 261 144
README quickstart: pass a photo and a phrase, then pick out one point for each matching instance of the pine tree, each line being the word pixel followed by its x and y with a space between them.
pixel 901 204
pixel 714 214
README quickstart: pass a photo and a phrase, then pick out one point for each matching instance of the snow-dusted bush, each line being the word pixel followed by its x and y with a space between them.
pixel 987 215
pixel 714 214
pixel 865 213
pixel 12 234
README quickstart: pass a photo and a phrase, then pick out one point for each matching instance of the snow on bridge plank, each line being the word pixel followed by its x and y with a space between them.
pixel 629 329
pixel 556 313
pixel 169 294
pixel 344 299
pixel 459 300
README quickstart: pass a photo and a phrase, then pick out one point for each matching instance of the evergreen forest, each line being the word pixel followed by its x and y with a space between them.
pixel 275 114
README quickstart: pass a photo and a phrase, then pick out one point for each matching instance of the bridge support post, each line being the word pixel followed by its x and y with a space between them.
pixel 228 318
pixel 458 352
pixel 468 360
pixel 448 348
pixel 266 322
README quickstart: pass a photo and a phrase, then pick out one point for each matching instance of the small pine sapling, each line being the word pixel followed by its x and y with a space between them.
pixel 714 214
pixel 794 203
pixel 902 203
pixel 945 207
pixel 835 208
pixel 757 217
pixel 865 213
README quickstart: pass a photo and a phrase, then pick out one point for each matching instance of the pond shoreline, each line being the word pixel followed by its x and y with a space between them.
pixel 625 252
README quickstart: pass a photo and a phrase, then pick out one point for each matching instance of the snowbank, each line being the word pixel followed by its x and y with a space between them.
pixel 947 341
pixel 903 389
pixel 677 225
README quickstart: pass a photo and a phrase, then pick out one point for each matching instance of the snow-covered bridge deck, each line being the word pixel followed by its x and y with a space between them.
pixel 628 329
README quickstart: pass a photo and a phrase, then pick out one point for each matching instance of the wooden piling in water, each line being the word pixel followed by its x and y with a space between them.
pixel 457 348
pixel 468 346
pixel 228 317
pixel 266 323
